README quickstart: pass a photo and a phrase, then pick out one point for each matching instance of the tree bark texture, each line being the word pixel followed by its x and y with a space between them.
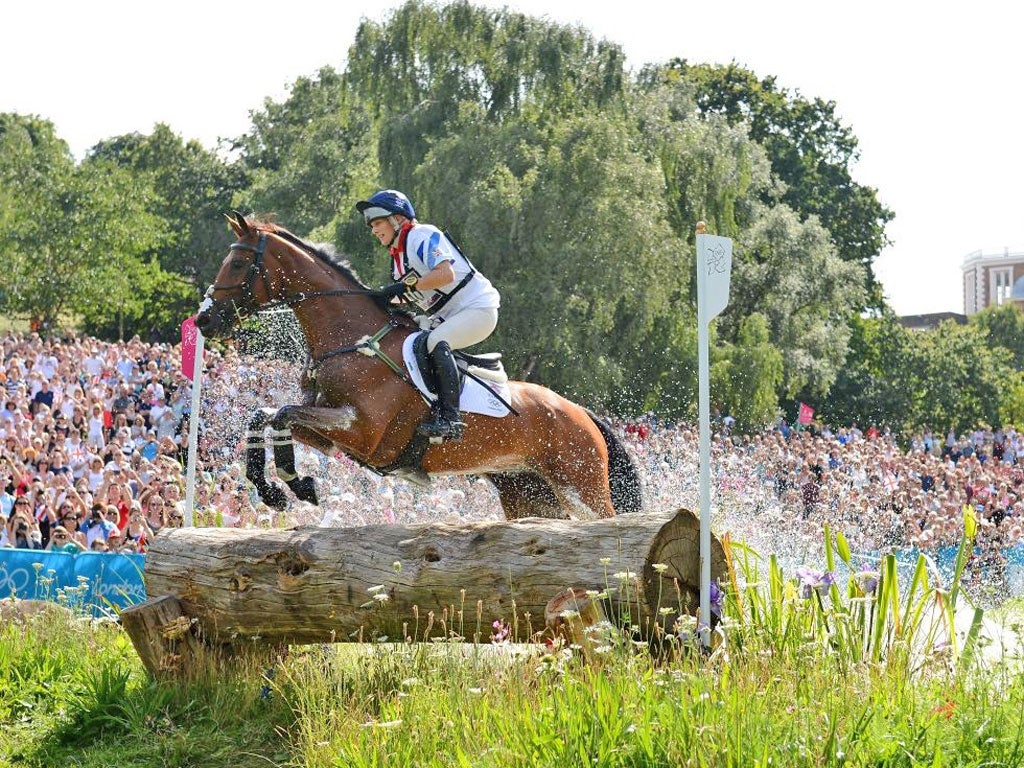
pixel 426 581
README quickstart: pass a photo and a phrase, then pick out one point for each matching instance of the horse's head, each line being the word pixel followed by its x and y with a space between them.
pixel 243 283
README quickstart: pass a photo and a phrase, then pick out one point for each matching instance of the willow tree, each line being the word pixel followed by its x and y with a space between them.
pixel 571 221
pixel 790 272
pixel 811 151
pixel 420 66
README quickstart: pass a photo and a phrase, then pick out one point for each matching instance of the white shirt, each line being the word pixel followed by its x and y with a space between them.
pixel 47 366
pixel 425 247
pixel 93 366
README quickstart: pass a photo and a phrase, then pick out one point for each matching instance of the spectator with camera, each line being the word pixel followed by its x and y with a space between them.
pixel 98 526
pixel 22 530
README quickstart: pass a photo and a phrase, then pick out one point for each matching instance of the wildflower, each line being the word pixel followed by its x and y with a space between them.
pixel 717 597
pixel 811 580
pixel 501 631
pixel 376 589
pixel 605 561
pixel 685 626
pixel 867 579
pixel 397 565
pixel 660 567
pixel 568 613
pixel 381 597
pixel 625 575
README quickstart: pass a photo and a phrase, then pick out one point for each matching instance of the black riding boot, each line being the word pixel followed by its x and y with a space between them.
pixel 444 421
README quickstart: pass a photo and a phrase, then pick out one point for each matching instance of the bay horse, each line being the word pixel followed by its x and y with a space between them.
pixel 548 458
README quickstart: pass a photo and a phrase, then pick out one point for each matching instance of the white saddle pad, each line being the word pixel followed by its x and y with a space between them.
pixel 475 398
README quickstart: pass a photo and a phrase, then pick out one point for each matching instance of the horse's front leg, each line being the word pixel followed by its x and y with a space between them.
pixel 271 493
pixel 316 426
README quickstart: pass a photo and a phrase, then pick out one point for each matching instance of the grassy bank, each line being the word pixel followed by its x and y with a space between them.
pixel 73 693
pixel 862 669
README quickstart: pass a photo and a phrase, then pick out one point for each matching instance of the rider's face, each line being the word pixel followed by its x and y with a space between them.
pixel 383 230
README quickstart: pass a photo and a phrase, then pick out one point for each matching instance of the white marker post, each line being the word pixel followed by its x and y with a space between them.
pixel 192 343
pixel 714 266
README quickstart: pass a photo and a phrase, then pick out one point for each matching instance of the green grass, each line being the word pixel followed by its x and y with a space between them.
pixel 844 677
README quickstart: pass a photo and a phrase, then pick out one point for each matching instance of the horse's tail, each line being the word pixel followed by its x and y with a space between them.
pixel 623 477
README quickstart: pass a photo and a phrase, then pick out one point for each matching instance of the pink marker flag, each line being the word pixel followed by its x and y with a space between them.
pixel 805 415
pixel 189 334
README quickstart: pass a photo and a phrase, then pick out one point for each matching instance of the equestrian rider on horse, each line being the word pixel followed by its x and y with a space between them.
pixel 431 273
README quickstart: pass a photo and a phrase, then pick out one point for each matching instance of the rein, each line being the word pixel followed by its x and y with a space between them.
pixel 257 269
pixel 368 345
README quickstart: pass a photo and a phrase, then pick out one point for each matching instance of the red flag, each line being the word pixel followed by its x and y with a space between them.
pixel 188 348
pixel 805 415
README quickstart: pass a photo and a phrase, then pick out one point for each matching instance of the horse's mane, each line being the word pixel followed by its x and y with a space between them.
pixel 325 252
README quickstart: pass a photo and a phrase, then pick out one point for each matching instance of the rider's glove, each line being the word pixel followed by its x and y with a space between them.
pixel 391 291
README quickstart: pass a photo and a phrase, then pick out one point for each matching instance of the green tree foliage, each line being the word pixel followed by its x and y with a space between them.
pixel 1011 409
pixel 310 156
pixel 193 188
pixel 953 377
pixel 789 271
pixel 541 209
pixel 747 375
pixel 77 228
pixel 873 384
pixel 426 61
pixel 713 171
pixel 1005 327
pixel 958 379
pixel 34 163
pixel 810 149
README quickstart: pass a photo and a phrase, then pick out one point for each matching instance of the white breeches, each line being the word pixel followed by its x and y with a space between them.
pixel 468 327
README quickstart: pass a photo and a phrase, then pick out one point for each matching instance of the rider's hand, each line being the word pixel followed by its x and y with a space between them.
pixel 391 291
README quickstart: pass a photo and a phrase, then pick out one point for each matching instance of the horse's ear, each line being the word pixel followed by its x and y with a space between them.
pixel 238 223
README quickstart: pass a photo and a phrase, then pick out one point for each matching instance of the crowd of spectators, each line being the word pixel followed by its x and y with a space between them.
pixel 779 489
pixel 94 434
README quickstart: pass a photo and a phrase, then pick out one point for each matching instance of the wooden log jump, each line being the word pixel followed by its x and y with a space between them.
pixel 400 583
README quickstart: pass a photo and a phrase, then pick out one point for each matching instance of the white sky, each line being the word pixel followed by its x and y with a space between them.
pixel 936 98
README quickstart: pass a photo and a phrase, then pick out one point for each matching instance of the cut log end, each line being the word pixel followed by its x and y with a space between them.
pixel 671 574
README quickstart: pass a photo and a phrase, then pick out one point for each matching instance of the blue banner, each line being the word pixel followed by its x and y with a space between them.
pixel 101 583
pixel 945 561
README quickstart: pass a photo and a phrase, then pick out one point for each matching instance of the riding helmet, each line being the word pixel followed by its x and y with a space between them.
pixel 385 203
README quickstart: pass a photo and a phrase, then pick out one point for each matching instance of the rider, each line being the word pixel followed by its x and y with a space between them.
pixel 431 272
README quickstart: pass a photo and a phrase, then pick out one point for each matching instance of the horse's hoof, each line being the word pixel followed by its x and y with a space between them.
pixel 275 497
pixel 305 489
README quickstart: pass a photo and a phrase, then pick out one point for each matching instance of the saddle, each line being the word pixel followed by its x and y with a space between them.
pixel 487 366
pixel 483 386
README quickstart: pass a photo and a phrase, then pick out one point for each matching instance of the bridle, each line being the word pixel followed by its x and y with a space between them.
pixel 250 304
pixel 257 269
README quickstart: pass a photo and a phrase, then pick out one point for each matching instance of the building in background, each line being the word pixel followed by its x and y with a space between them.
pixel 991 279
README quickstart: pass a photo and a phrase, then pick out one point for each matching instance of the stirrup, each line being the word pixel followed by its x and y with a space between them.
pixel 442 429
